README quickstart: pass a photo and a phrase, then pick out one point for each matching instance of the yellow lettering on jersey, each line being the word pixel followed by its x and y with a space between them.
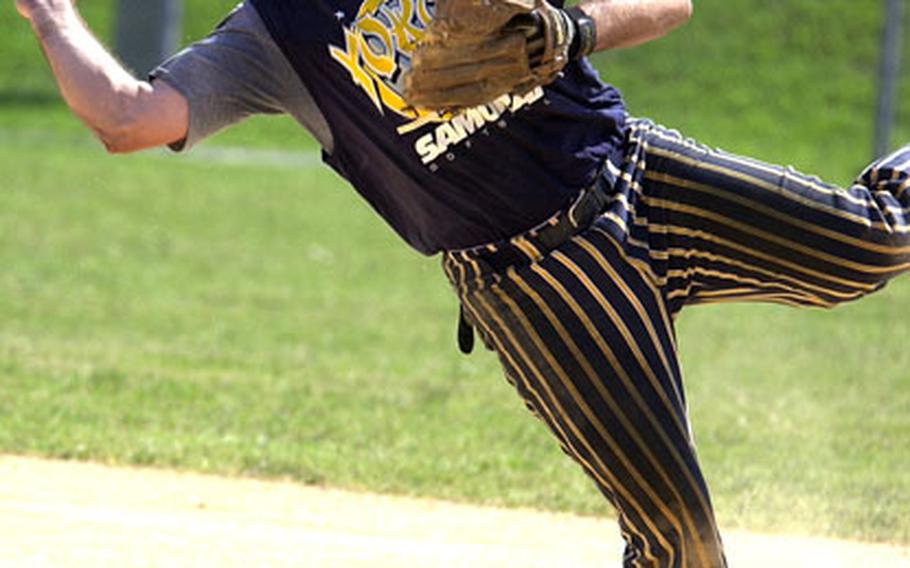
pixel 460 127
pixel 377 46
pixel 488 112
pixel 391 99
pixel 423 15
pixel 350 59
pixel 383 64
pixel 404 32
pixel 369 7
pixel 446 135
pixel 501 104
pixel 383 32
pixel 532 96
pixel 426 148
pixel 469 121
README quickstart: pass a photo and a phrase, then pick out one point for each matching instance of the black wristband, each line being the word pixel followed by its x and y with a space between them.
pixel 585 33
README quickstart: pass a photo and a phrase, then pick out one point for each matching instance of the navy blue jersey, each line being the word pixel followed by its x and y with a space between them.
pixel 443 182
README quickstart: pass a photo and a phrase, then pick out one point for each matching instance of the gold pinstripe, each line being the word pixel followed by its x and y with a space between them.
pixel 773 276
pixel 882 185
pixel 462 274
pixel 614 317
pixel 603 470
pixel 806 251
pixel 864 289
pixel 579 401
pixel 477 278
pixel 745 293
pixel 642 266
pixel 902 188
pixel 525 246
pixel 873 177
pixel 650 281
pixel 697 233
pixel 882 190
pixel 556 286
pixel 664 255
pixel 769 300
pixel 630 341
pixel 818 186
pixel 606 397
pixel 741 292
pixel 783 299
pixel 752 284
pixel 818 206
pixel 789 219
pixel 449 270
pixel 445 268
pixel 631 296
pixel 622 198
pixel 630 429
pixel 746 285
pixel 550 420
pixel 757 283
pixel 462 280
pixel 520 375
pixel 648 277
pixel 619 221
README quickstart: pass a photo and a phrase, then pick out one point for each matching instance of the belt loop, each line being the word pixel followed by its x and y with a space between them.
pixel 571 213
pixel 591 197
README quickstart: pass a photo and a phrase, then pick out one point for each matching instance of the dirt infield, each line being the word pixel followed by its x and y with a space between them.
pixel 76 514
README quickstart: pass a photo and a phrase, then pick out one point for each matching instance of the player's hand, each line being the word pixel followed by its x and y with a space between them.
pixel 34 9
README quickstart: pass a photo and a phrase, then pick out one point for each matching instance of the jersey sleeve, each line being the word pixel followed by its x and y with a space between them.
pixel 235 72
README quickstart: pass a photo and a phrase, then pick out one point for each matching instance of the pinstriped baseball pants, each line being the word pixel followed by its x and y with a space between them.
pixel 584 329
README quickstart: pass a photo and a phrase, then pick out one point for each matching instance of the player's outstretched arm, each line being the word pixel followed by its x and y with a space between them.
pixel 625 23
pixel 473 52
pixel 126 114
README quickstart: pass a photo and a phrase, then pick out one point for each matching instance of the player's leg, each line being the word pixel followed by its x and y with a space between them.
pixel 585 338
pixel 718 227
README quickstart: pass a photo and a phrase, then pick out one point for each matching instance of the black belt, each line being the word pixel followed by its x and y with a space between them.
pixel 589 204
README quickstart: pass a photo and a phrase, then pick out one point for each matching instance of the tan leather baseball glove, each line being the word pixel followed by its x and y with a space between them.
pixel 476 50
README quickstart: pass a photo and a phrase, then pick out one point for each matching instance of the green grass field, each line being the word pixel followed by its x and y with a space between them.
pixel 260 320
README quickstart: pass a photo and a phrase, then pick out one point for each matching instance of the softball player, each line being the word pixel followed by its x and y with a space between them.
pixel 572 233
